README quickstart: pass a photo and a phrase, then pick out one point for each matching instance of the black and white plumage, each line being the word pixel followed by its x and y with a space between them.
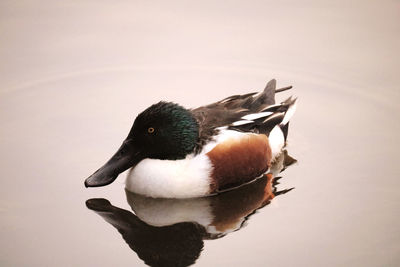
pixel 254 112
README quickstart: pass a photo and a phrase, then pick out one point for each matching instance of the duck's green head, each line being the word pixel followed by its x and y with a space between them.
pixel 163 131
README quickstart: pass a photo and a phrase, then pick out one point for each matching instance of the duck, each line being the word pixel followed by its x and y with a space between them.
pixel 175 152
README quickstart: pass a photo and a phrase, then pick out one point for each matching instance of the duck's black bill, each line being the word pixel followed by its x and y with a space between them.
pixel 126 157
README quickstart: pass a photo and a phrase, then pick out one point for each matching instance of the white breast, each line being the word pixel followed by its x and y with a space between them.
pixel 189 177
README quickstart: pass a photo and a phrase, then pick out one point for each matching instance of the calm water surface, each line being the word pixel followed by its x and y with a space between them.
pixel 74 76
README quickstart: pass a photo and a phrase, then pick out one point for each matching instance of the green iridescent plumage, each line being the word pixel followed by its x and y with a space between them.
pixel 175 135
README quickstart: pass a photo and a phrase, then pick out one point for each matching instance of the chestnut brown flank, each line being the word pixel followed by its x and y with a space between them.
pixel 237 161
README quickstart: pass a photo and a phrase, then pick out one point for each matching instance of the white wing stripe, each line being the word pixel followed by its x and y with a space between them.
pixel 289 113
pixel 255 116
pixel 273 116
pixel 271 106
pixel 238 123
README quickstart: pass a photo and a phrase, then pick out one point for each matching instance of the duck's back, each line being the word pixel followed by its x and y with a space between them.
pixel 246 132
pixel 253 112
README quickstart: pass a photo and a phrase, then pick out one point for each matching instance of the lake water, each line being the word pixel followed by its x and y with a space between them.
pixel 73 76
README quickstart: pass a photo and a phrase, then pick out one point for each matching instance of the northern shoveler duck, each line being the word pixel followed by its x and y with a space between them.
pixel 181 153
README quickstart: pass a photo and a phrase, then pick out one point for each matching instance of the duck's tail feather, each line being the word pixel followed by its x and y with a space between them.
pixel 283 89
pixel 267 97
pixel 291 108
pixel 252 102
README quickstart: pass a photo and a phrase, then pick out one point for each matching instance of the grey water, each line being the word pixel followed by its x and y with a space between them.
pixel 74 75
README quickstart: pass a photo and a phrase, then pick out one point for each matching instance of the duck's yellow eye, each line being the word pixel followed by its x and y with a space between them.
pixel 150 130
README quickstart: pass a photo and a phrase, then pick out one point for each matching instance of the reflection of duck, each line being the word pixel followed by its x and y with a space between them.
pixel 170 232
pixel 180 153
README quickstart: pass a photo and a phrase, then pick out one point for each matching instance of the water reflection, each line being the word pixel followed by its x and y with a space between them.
pixel 170 232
